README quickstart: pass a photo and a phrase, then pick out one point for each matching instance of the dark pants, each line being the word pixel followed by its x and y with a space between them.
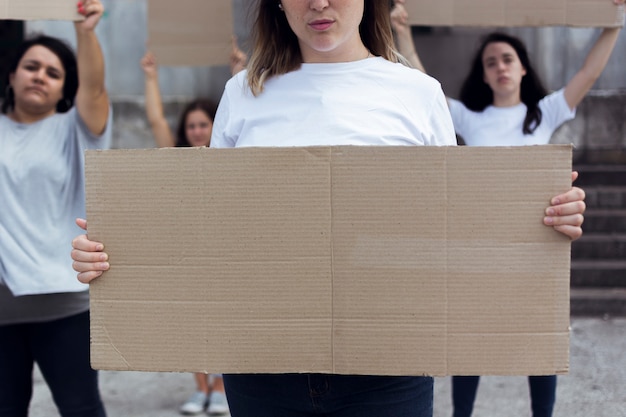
pixel 61 349
pixel 301 395
pixel 542 394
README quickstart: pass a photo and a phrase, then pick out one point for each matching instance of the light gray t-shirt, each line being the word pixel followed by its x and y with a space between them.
pixel 42 183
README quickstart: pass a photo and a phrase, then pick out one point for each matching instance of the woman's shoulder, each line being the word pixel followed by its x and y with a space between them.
pixel 552 98
pixel 238 81
pixel 65 120
pixel 410 77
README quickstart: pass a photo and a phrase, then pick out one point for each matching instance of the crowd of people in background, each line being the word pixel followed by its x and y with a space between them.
pixel 57 106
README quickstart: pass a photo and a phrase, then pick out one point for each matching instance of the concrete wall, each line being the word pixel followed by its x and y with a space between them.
pixel 446 52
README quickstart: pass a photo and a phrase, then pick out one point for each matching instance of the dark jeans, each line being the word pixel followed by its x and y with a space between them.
pixel 61 349
pixel 302 395
pixel 542 394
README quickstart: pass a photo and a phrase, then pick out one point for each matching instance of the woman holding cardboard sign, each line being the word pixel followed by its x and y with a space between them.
pixel 312 60
pixel 56 107
pixel 503 102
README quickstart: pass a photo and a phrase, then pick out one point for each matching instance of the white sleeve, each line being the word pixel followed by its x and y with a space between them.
pixel 554 110
pixel 458 112
pixel 219 136
pixel 441 122
pixel 87 139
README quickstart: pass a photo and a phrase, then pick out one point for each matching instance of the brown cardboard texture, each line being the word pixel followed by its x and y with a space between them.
pixel 39 10
pixel 349 260
pixel 582 13
pixel 190 32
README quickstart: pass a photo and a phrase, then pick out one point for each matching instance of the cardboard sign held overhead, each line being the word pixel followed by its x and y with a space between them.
pixel 39 10
pixel 190 32
pixel 350 260
pixel 583 13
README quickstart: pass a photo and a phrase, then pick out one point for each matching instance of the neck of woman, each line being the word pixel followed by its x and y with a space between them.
pixel 506 100
pixel 27 117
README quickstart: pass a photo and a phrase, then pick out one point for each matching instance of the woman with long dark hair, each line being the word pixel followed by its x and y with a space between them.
pixel 504 103
pixel 56 106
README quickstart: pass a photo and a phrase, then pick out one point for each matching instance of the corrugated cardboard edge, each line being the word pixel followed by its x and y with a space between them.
pixel 508 13
pixel 39 10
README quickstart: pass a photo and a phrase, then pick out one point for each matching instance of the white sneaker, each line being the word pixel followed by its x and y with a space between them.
pixel 218 404
pixel 196 404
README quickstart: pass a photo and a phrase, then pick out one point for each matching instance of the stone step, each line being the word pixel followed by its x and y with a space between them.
pixel 605 197
pixel 601 174
pixel 598 274
pixel 598 302
pixel 605 221
pixel 598 246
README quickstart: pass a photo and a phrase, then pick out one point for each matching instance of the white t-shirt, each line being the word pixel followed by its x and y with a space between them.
pixel 367 102
pixel 503 126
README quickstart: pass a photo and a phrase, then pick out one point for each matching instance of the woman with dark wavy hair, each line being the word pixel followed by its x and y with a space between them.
pixel 56 106
pixel 68 61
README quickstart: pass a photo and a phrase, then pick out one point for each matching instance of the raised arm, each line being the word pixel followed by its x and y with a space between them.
pixel 404 38
pixel 92 100
pixel 161 131
pixel 594 64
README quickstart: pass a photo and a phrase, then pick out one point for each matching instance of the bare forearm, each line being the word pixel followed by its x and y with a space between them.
pixel 155 114
pixel 592 68
pixel 404 38
pixel 92 101
pixel 154 106
pixel 600 53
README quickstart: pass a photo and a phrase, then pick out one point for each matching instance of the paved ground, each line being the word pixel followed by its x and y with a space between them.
pixel 595 387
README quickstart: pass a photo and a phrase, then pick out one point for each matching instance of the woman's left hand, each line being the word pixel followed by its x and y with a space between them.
pixel 92 10
pixel 566 212
pixel 400 18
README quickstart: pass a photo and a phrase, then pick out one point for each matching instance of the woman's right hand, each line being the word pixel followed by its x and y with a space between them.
pixel 93 11
pixel 149 64
pixel 89 259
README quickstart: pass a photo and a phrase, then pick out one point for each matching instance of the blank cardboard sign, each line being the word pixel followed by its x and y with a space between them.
pixel 190 32
pixel 583 13
pixel 351 260
pixel 39 10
